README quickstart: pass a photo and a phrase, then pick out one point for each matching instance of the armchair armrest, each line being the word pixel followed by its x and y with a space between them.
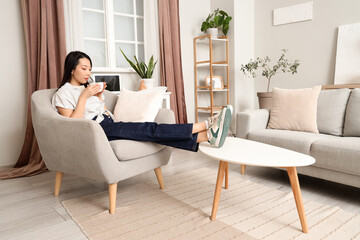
pixel 75 146
pixel 249 120
pixel 165 116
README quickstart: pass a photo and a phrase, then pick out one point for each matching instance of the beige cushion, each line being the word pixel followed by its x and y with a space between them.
pixel 126 150
pixel 140 106
pixel 352 117
pixel 294 109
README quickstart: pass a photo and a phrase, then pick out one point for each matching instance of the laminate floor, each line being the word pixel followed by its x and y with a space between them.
pixel 28 209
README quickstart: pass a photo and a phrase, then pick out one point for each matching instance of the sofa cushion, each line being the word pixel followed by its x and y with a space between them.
pixel 337 153
pixel 331 111
pixel 294 109
pixel 293 140
pixel 352 116
pixel 126 150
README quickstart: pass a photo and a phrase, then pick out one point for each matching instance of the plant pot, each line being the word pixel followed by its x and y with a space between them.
pixel 265 100
pixel 148 82
pixel 214 32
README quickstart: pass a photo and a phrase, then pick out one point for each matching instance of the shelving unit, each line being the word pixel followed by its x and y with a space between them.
pixel 210 65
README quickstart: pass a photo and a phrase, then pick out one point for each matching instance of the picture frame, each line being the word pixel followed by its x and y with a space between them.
pixel 217 82
pixel 112 80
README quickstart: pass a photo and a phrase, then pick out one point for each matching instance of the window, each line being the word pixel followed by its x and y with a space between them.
pixel 109 25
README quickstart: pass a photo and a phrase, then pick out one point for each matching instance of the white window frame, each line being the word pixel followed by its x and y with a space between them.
pixel 75 36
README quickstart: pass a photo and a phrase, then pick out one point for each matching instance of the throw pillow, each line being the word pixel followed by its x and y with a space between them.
pixel 294 109
pixel 352 116
pixel 141 106
pixel 331 111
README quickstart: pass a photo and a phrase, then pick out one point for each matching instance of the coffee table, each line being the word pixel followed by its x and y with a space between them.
pixel 247 152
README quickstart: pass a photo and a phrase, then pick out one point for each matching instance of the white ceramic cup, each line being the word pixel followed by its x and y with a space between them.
pixel 101 84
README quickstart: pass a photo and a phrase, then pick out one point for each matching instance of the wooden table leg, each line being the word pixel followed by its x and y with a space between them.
pixel 227 176
pixel 219 183
pixel 294 181
pixel 243 168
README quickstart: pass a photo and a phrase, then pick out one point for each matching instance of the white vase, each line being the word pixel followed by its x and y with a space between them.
pixel 148 82
pixel 214 32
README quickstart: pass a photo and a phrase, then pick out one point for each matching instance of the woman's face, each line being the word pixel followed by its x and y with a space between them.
pixel 81 73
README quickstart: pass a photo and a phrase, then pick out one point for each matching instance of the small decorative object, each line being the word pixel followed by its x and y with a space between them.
pixel 144 71
pixel 217 82
pixel 218 20
pixel 282 65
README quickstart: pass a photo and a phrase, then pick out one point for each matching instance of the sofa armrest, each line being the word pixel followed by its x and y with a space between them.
pixel 249 120
pixel 165 116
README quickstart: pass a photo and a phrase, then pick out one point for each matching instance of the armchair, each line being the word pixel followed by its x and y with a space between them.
pixel 80 147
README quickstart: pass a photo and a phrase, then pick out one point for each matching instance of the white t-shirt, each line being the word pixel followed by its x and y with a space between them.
pixel 68 96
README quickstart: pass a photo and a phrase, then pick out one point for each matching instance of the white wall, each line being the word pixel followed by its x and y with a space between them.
pixel 192 14
pixel 312 42
pixel 13 93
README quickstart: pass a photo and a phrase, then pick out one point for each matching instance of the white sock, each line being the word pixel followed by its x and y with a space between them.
pixel 207 124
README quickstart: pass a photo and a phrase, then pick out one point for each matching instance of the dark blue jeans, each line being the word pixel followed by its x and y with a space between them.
pixel 173 135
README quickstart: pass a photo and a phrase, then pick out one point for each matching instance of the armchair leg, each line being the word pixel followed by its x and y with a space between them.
pixel 58 180
pixel 112 197
pixel 243 167
pixel 159 177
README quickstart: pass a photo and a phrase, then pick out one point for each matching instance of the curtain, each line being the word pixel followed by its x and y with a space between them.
pixel 46 51
pixel 170 56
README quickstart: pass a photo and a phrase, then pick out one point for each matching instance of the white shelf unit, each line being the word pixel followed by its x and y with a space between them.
pixel 210 64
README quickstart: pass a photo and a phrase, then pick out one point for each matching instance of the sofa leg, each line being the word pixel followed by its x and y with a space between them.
pixel 243 168
pixel 112 197
pixel 159 177
pixel 58 180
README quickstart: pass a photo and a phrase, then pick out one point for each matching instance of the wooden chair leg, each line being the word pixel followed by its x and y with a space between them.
pixel 243 168
pixel 159 177
pixel 58 180
pixel 112 197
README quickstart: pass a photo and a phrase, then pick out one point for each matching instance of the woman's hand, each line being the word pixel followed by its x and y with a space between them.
pixel 91 90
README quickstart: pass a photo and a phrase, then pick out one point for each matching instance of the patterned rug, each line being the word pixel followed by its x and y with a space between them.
pixel 247 210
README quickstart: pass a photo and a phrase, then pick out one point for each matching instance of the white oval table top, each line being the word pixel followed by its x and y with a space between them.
pixel 242 151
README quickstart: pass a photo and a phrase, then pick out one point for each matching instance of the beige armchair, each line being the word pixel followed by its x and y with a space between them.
pixel 80 147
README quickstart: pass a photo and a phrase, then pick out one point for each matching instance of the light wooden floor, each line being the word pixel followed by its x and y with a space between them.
pixel 28 209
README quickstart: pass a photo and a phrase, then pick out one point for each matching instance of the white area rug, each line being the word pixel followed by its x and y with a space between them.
pixel 247 210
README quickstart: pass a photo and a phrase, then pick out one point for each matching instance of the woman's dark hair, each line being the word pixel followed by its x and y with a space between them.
pixel 71 61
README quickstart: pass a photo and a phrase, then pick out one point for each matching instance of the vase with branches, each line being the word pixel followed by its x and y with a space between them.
pixel 282 65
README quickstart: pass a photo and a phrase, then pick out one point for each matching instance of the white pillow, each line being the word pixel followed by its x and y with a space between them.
pixel 140 106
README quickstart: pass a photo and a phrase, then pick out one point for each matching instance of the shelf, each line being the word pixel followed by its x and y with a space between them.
pixel 208 109
pixel 205 39
pixel 214 65
pixel 214 40
pixel 215 90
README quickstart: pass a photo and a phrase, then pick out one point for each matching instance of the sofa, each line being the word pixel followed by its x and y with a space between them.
pixel 336 148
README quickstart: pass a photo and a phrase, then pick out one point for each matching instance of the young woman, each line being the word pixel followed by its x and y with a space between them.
pixel 75 98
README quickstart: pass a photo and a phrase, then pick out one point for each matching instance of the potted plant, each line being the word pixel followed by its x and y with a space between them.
pixel 145 71
pixel 268 71
pixel 218 20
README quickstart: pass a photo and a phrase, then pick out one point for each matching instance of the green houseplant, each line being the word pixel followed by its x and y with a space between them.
pixel 219 20
pixel 144 71
pixel 283 65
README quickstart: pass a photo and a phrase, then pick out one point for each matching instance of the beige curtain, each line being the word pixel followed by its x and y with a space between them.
pixel 46 51
pixel 170 56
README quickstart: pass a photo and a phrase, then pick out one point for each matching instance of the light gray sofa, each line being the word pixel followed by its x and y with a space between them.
pixel 80 147
pixel 337 147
